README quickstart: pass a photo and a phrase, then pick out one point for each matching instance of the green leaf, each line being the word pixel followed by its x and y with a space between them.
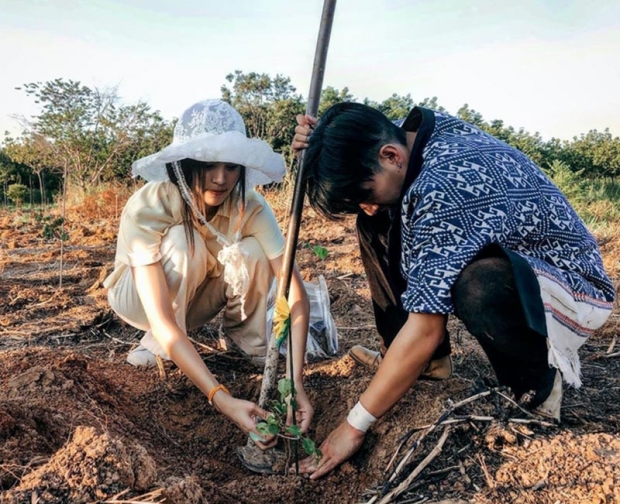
pixel 272 420
pixel 286 327
pixel 309 446
pixel 293 430
pixel 263 428
pixel 273 429
pixel 284 387
pixel 320 252
pixel 256 437
pixel 279 408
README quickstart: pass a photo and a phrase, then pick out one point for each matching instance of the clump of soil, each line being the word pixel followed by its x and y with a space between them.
pixel 569 468
pixel 78 424
pixel 92 466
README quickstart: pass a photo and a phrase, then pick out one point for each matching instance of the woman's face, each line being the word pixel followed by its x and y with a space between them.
pixel 220 180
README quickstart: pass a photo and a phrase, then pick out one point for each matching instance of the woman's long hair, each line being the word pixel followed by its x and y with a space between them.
pixel 194 173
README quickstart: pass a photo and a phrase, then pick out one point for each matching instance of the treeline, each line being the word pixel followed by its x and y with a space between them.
pixel 88 136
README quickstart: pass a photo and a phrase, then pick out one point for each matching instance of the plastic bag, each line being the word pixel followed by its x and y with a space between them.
pixel 322 333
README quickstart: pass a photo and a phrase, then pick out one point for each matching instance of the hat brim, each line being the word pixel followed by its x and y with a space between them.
pixel 263 165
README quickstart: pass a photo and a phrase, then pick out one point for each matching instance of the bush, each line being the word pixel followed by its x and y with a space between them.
pixel 17 193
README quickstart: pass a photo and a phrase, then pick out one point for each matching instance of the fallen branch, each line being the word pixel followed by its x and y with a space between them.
pixel 155 494
pixel 487 476
pixel 414 474
pixel 528 413
pixel 611 346
pixel 432 427
pixel 205 347
pixel 116 340
pixel 531 421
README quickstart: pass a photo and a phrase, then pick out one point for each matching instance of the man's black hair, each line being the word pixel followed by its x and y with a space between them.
pixel 343 154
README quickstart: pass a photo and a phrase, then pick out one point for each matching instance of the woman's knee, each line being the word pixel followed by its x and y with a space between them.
pixel 256 260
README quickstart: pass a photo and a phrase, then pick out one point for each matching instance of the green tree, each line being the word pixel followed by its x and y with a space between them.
pixel 470 116
pixel 595 153
pixel 17 193
pixel 330 96
pixel 431 103
pixel 35 152
pixel 268 107
pixel 89 130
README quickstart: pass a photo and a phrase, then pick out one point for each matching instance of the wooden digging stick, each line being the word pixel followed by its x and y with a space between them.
pixel 316 84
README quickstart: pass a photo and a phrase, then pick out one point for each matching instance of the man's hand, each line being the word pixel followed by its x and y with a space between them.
pixel 339 446
pixel 303 130
pixel 243 414
pixel 304 412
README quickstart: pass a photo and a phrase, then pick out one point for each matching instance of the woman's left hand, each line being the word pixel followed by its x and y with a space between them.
pixel 304 412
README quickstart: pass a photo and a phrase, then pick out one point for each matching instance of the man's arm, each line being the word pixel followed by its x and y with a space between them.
pixel 404 361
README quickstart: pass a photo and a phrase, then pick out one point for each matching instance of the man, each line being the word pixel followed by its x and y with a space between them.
pixel 454 221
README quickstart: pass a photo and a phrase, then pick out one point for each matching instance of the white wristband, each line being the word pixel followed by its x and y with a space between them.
pixel 360 418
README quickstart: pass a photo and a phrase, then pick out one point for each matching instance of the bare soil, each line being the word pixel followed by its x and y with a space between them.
pixel 78 424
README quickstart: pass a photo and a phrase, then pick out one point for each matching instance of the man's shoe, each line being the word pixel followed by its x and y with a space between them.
pixel 438 369
pixel 550 408
pixel 140 356
pixel 366 357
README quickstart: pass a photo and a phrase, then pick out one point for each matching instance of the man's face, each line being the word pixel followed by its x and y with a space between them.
pixel 385 188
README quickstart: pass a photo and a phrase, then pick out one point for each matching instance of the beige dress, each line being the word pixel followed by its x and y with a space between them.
pixel 151 230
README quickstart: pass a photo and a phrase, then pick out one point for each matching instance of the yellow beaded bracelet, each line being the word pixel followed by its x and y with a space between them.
pixel 214 391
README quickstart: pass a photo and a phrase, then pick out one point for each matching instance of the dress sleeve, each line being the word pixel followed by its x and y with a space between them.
pixel 144 222
pixel 262 225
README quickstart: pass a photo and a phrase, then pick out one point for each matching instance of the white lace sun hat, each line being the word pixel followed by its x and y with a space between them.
pixel 213 131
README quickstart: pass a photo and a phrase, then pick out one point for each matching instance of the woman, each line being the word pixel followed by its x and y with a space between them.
pixel 196 240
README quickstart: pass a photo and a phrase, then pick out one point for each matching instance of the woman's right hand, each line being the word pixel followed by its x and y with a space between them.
pixel 244 414
pixel 303 130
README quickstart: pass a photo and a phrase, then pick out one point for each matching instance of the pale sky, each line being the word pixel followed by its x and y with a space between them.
pixel 551 66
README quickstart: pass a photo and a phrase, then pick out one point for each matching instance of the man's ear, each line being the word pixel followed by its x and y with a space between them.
pixel 390 152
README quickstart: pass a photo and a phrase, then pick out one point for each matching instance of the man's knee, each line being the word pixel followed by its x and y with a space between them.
pixel 484 285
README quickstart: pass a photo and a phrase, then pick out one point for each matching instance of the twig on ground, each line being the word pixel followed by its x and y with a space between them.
pixel 415 500
pixel 459 419
pixel 442 418
pixel 464 472
pixel 147 498
pixel 442 471
pixel 121 342
pixel 402 442
pixel 531 421
pixel 429 458
pixel 528 413
pixel 470 399
pixel 355 328
pixel 483 466
pixel 206 347
pixel 611 346
pixel 160 367
pixel 101 324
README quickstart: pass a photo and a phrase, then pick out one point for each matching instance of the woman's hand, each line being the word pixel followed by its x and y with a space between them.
pixel 304 412
pixel 303 130
pixel 244 414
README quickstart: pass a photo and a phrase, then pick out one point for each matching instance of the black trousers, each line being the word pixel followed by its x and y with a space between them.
pixel 485 299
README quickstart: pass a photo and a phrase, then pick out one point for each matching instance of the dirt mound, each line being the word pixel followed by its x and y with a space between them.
pixel 92 466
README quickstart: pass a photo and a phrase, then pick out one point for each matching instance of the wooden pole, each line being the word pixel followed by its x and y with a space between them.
pixel 316 85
